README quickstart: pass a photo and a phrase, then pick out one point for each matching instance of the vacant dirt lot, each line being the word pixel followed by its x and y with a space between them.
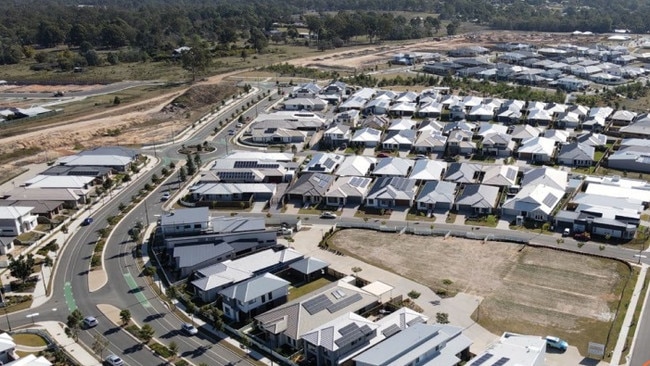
pixel 530 290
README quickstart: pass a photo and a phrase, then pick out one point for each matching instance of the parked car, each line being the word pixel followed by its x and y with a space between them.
pixel 557 343
pixel 582 236
pixel 189 329
pixel 327 215
pixel 383 155
pixel 165 196
pixel 239 125
pixel 231 132
pixel 87 221
pixel 113 360
pixel 90 321
pixel 566 232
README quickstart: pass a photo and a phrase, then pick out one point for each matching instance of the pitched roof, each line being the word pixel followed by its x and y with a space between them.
pixel 309 265
pixel 315 184
pixel 367 134
pixel 425 169
pixel 535 197
pixel 14 212
pixel 435 191
pixel 478 196
pixel 356 165
pixel 254 287
pixel 549 176
pixel 185 216
pixel 500 175
pixel 462 172
pixel 393 166
pixel 349 187
pixel 397 188
pixel 537 145
pixel 577 151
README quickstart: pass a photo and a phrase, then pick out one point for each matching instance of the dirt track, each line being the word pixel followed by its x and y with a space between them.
pixel 526 289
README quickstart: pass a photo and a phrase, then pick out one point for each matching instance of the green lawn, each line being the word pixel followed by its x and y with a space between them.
pixel 296 292
pixel 29 340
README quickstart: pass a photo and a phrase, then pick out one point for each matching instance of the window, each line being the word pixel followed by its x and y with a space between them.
pixel 187 226
pixel 270 294
pixel 263 298
pixel 197 226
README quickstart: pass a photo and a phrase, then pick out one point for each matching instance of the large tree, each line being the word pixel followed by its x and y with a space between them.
pixel 197 59
pixel 21 267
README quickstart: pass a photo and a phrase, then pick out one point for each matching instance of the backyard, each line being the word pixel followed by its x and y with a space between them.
pixel 528 290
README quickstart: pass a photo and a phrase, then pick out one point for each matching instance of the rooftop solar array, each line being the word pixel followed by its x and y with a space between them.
pixel 353 335
pixel 348 329
pixel 391 330
pixel 329 163
pixel 255 164
pixel 338 294
pixel 333 308
pixel 359 182
pixel 481 360
pixel 318 303
pixel 549 200
pixel 322 180
pixel 511 173
pixel 502 361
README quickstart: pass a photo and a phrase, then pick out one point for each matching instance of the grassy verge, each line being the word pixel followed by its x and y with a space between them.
pixel 29 340
pixel 635 318
pixel 489 221
pixel 419 216
pixel 617 324
pixel 26 303
pixel 162 350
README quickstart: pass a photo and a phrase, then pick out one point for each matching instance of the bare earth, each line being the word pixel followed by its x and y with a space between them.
pixel 531 288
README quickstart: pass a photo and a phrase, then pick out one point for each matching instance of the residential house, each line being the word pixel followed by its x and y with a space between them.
pixel 309 268
pixel 401 140
pixel 419 345
pixel 337 136
pixel 481 112
pixel 305 104
pixel 356 165
pixel 307 90
pixel 7 349
pixel 337 87
pixel 464 172
pixel 310 188
pixel 500 175
pixel 594 124
pixel 623 117
pixel 559 136
pixel 99 173
pixel 513 350
pixel 430 110
pixel 431 125
pixel 60 181
pixel 378 122
pixel 119 163
pixel 402 124
pixel 460 142
pixel 234 170
pixel 571 83
pixel 457 113
pixel 348 190
pixel 498 144
pixel 403 109
pixel 425 170
pixel 287 323
pixel 348 118
pixel 597 140
pixel 510 112
pixel 486 128
pixel 391 192
pixel 630 159
pixel 71 198
pixel 7 244
pixel 15 220
pixel 288 120
pixel 430 142
pixel 436 195
pixel 520 133
pixel 323 163
pixel 208 281
pixel 272 135
pixel 393 167
pixel 603 112
pixel 477 199
pixel 576 154
pixel 569 120
pixel 232 192
pixel 254 296
pixel 551 177
pixel 639 128
pixel 539 117
pixel 241 155
pixel 354 102
pixel 44 208
pixel 377 106
pixel 537 149
pixel 458 126
pixel 366 137
pixel 535 202
pixel 186 221
pixel 340 340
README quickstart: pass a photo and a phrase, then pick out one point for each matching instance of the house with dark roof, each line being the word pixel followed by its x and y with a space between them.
pixel 463 172
pixel 498 144
pixel 436 195
pixel 402 140
pixel 310 188
pixel 254 296
pixel 576 154
pixel 630 159
pixel 323 163
pixel 347 190
pixel 391 192
pixel 477 199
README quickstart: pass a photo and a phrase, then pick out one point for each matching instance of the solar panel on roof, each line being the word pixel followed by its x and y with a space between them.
pixel 391 330
pixel 481 360
pixel 511 173
pixel 348 329
pixel 549 200
pixel 502 361
pixel 317 304
pixel 342 304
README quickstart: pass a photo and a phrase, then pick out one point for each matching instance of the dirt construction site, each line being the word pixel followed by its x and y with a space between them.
pixel 525 289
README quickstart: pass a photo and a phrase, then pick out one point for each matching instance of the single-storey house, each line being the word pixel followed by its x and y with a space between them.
pixel 576 154
pixel 399 140
pixel 425 170
pixel 347 190
pixel 391 192
pixel 477 199
pixel 310 188
pixel 393 167
pixel 430 141
pixel 436 195
pixel 356 165
pixel 535 202
pixel 537 149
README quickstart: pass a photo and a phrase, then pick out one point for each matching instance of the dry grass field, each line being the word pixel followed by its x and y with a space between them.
pixel 525 289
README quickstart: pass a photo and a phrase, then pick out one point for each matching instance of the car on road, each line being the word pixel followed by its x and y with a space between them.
pixel 557 343
pixel 327 215
pixel 239 125
pixel 189 329
pixel 113 360
pixel 87 221
pixel 231 132
pixel 90 321
pixel 165 196
pixel 383 155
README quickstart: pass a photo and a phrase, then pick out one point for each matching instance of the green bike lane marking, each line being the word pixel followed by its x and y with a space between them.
pixel 69 298
pixel 136 290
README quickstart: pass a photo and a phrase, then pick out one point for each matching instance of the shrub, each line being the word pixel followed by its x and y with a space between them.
pixel 413 294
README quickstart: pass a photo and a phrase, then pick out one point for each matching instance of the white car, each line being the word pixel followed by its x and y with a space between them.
pixel 189 329
pixel 327 215
pixel 114 360
pixel 90 321
pixel 165 196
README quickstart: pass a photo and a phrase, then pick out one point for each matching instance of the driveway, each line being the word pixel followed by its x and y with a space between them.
pixel 258 206
pixel 399 213
pixel 349 210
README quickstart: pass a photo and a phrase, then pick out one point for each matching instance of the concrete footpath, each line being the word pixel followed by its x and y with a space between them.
pixel 629 315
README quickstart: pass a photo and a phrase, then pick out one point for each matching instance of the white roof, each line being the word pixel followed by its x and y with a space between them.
pixel 14 212
pixel 258 155
pixel 367 134
pixel 487 128
pixel 233 188
pixel 535 197
pixel 95 160
pixel 59 181
pixel 402 124
pixel 642 192
pixel 500 175
pixel 425 169
pixel 557 135
pixel 551 177
pixel 356 165
pixel 538 145
pixel 519 350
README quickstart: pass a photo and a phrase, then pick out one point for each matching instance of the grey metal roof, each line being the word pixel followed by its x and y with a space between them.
pixel 314 184
pixel 462 172
pixel 478 196
pixel 392 188
pixel 437 191
pixel 577 150
pixel 393 166
pixel 191 255
pixel 111 150
pixel 309 265
pixel 185 216
pixel 254 287
pixel 235 224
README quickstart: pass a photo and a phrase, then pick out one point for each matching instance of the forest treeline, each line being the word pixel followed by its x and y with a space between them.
pixel 155 27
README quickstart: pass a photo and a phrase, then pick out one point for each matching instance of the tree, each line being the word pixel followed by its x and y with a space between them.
pixel 173 348
pixel 197 159
pixel 217 321
pixel 442 318
pixel 107 184
pixel 117 100
pixel 146 333
pixel 258 40
pixel 452 27
pixel 197 59
pixel 74 323
pixel 21 267
pixel 182 174
pixel 413 294
pixel 99 344
pixel 125 316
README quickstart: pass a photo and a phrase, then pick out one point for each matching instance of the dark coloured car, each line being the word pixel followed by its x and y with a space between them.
pixel 87 221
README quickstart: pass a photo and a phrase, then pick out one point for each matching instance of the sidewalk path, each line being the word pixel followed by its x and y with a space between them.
pixel 627 321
